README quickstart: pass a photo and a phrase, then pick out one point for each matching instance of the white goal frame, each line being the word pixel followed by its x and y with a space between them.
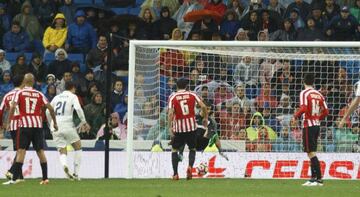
pixel 159 44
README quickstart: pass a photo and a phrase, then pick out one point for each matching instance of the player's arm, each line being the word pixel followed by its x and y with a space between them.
pixel 11 112
pixel 303 106
pixel 170 120
pixel 354 104
pixel 324 111
pixel 52 115
pixel 204 111
pixel 80 114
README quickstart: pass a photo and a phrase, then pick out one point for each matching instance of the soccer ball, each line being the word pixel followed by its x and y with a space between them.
pixel 202 169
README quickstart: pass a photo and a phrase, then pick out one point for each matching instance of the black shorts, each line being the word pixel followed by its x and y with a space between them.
pixel 14 138
pixel 201 141
pixel 310 136
pixel 31 135
pixel 180 139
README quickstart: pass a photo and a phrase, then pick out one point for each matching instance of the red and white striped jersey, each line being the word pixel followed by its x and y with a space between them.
pixel 30 102
pixel 313 106
pixel 5 105
pixel 183 103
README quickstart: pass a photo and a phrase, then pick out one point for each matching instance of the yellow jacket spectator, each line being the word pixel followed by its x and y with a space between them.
pixel 55 35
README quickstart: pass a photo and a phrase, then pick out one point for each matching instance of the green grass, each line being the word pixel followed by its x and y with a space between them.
pixel 183 188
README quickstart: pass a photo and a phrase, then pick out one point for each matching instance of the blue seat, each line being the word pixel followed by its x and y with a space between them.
pixel 139 2
pixel 49 57
pixel 83 1
pixel 76 57
pixel 99 2
pixel 11 57
pixel 28 57
pixel 120 11
pixel 134 11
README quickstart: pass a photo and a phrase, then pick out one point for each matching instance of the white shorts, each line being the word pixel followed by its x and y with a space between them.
pixel 65 136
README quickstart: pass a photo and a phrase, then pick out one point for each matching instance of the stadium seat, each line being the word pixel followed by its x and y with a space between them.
pixel 76 57
pixel 120 11
pixel 82 2
pixel 49 57
pixel 139 2
pixel 99 2
pixel 28 56
pixel 11 57
pixel 134 11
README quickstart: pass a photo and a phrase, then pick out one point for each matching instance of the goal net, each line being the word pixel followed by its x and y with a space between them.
pixel 253 90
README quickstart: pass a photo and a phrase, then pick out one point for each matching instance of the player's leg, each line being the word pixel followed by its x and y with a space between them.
pixel 218 146
pixel 38 145
pixel 59 138
pixel 190 138
pixel 177 143
pixel 77 158
pixel 9 174
pixel 315 131
pixel 23 140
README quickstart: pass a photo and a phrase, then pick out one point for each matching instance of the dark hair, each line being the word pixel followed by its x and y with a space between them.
pixel 15 23
pixel 17 80
pixel 204 88
pixel 69 85
pixel 309 78
pixel 182 83
pixel 117 80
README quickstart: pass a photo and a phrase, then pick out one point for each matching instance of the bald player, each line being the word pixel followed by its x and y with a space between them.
pixel 31 103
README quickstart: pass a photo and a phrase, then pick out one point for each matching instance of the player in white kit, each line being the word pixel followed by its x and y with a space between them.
pixel 64 105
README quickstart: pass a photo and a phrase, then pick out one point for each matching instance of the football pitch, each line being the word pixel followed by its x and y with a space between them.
pixel 184 188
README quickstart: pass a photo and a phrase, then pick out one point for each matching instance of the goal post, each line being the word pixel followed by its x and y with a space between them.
pixel 270 74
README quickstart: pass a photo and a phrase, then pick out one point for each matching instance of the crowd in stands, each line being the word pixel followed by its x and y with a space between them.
pixel 59 41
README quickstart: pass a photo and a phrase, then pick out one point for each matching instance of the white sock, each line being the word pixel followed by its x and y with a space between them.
pixel 77 161
pixel 63 160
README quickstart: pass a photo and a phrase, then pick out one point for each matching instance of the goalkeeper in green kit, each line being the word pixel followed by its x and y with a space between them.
pixel 206 135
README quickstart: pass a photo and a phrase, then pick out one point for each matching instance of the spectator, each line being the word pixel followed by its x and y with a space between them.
pixel 4 64
pixel 16 40
pixel 159 131
pixel 269 116
pixel 267 23
pixel 67 76
pixel 296 19
pixel 286 33
pixel 121 61
pixel 100 76
pixel 37 67
pixel 167 85
pixel 31 25
pixel 247 72
pixel 194 35
pixel 268 68
pixel 45 11
pixel 204 94
pixel 230 25
pixel 276 6
pixel 206 27
pixel 50 79
pixel 78 79
pixel 241 35
pixel 222 93
pixel 94 113
pixel 116 128
pixel 354 10
pixel 61 64
pixel 81 36
pixel 343 27
pixel 317 17
pixel 134 31
pixel 20 67
pixel 90 78
pixel 224 75
pixel 68 9
pixel 302 7
pixel 185 8
pixel 122 107
pixel 265 97
pixel 285 143
pixel 118 94
pixel 240 97
pixel 55 35
pixel 311 32
pixel 238 6
pixel 231 121
pixel 96 56
pixel 216 6
pixel 5 18
pixel 164 26
pixel 50 92
pixel 6 85
pixel 330 10
pixel 194 79
pixel 263 36
pixel 252 25
pixel 148 17
pixel 92 89
pixel 14 7
pixel 260 133
pixel 176 34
